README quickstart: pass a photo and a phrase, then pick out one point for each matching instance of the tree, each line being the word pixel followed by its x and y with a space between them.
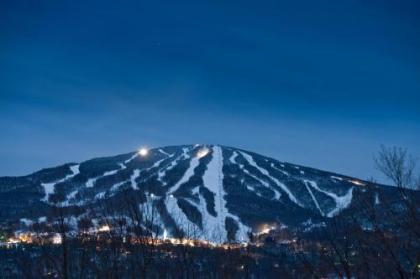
pixel 397 165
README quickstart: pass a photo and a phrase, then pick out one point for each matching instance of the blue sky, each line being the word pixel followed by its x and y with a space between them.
pixel 318 83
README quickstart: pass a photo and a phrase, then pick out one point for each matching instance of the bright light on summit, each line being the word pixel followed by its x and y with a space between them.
pixel 202 152
pixel 143 151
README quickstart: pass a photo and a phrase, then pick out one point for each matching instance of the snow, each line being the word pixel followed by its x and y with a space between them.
pixel 190 229
pixel 91 181
pixel 262 182
pixel 377 201
pixel 213 181
pixel 26 222
pixel 156 164
pixel 280 170
pixel 336 178
pixel 162 173
pixel 342 202
pixel 213 226
pixel 122 166
pixel 251 161
pixel 138 172
pixel 112 172
pixel 171 203
pixel 242 167
pixel 165 153
pixel 133 178
pixel 187 175
pixel 69 197
pixel 309 225
pixel 313 198
pixel 131 158
pixel 151 215
pixel 49 188
pixel 233 157
pixel 115 187
pixel 100 195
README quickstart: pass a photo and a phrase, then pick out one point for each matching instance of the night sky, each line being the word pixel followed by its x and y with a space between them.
pixel 317 83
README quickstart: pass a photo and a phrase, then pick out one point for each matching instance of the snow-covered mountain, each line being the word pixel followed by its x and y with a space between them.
pixel 210 192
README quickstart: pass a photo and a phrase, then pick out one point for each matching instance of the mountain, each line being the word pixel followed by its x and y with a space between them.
pixel 209 192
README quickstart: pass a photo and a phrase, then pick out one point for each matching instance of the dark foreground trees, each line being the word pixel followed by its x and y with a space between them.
pixel 380 237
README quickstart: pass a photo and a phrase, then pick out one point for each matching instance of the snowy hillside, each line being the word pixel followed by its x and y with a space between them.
pixel 208 192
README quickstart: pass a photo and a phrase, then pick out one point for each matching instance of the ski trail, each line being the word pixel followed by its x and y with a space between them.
pixel 232 158
pixel 131 158
pixel 213 181
pixel 162 173
pixel 194 162
pixel 49 188
pixel 133 177
pixel 262 182
pixel 251 161
pixel 181 220
pixel 215 227
pixel 91 181
pixel 171 202
pixel 336 178
pixel 151 215
pixel 313 198
pixel 342 202
pixel 165 153
pixel 116 186
pixel 137 173
pixel 280 170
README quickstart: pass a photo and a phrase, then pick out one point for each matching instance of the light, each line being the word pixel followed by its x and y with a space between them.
pixel 13 240
pixel 104 228
pixel 202 152
pixel 265 229
pixel 57 239
pixel 143 151
pixel 26 238
pixel 357 182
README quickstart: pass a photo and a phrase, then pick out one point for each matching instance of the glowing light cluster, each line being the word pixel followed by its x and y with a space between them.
pixel 357 182
pixel 57 239
pixel 202 152
pixel 265 229
pixel 13 240
pixel 143 151
pixel 104 228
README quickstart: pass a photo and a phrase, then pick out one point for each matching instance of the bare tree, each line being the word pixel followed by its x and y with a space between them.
pixel 417 183
pixel 397 165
